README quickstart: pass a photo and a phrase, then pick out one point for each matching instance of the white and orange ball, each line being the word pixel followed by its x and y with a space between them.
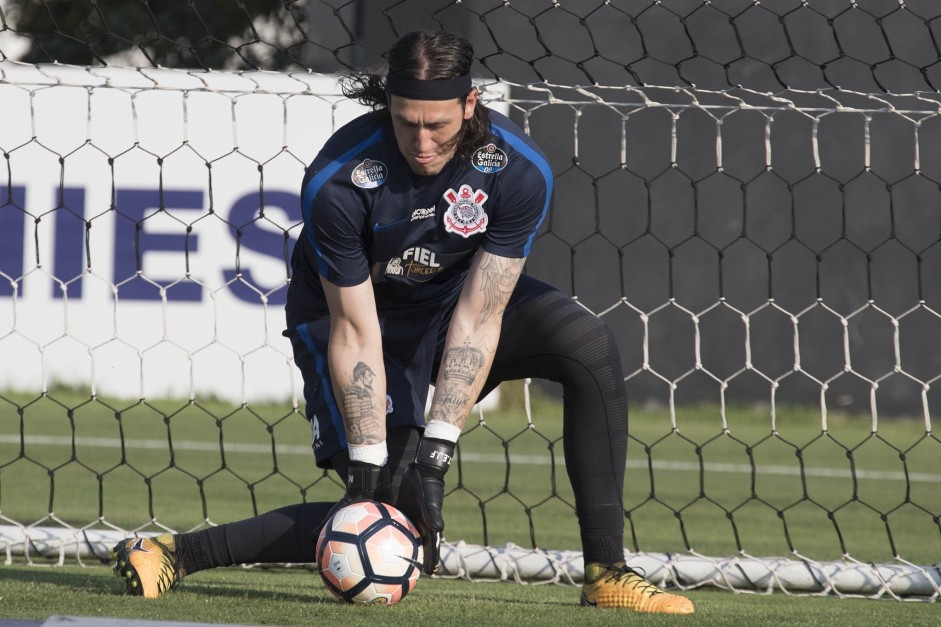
pixel 369 552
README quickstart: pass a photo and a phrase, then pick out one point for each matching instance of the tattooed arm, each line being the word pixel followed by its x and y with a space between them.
pixel 473 336
pixel 355 356
pixel 468 355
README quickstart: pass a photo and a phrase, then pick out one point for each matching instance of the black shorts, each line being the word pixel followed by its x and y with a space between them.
pixel 412 341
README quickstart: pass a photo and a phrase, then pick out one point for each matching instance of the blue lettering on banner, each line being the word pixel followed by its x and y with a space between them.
pixel 135 239
pixel 12 238
pixel 132 241
pixel 67 262
pixel 247 229
pixel 69 227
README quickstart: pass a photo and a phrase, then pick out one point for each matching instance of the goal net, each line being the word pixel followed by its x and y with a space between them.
pixel 748 193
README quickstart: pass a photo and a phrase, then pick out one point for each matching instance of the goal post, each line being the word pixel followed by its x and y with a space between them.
pixel 766 252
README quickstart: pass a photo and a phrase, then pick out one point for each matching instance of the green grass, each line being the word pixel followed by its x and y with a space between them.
pixel 296 597
pixel 184 465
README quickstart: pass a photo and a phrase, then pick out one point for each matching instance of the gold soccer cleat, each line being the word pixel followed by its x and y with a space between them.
pixel 148 565
pixel 619 586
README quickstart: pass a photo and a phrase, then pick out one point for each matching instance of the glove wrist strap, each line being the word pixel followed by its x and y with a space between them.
pixel 435 454
pixel 367 479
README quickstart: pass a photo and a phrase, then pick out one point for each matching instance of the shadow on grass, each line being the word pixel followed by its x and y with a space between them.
pixel 301 586
pixel 283 585
pixel 93 581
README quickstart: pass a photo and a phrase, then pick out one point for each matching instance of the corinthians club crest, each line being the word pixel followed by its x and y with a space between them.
pixel 466 215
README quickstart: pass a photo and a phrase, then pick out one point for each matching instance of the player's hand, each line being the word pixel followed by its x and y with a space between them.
pixel 421 496
pixel 364 482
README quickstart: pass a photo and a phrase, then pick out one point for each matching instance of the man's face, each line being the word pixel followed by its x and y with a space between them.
pixel 425 129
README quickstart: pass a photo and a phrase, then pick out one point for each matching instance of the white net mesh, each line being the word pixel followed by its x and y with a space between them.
pixel 767 256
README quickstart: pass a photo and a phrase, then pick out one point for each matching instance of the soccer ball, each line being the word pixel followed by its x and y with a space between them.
pixel 369 552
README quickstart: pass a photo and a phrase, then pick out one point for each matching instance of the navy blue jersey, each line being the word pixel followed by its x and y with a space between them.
pixel 367 215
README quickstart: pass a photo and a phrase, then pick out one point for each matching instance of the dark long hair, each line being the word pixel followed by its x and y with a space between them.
pixel 424 55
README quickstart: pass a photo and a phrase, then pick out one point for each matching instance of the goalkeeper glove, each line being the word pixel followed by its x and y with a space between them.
pixel 422 494
pixel 367 482
pixel 364 482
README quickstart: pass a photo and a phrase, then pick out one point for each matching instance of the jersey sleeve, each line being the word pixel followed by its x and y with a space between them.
pixel 523 202
pixel 334 214
pixel 333 219
pixel 338 241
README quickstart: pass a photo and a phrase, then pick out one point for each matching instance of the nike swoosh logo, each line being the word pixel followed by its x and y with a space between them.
pixel 414 563
pixel 382 227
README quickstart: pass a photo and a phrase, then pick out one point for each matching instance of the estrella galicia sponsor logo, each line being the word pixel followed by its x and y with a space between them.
pixel 489 159
pixel 466 215
pixel 369 174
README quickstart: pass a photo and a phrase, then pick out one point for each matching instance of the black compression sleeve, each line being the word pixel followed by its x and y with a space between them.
pixel 282 535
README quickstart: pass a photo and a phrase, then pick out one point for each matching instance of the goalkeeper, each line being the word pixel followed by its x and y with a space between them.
pixel 418 217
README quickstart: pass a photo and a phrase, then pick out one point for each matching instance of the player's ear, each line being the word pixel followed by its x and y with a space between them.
pixel 470 103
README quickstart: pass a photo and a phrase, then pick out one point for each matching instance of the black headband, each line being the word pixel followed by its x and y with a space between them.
pixel 417 89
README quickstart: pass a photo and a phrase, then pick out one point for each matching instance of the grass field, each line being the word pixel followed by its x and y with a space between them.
pixel 296 597
pixel 69 460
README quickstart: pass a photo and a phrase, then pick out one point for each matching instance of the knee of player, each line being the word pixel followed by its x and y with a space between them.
pixel 587 336
pixel 585 347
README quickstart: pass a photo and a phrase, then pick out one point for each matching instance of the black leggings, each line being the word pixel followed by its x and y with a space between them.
pixel 285 534
pixel 545 335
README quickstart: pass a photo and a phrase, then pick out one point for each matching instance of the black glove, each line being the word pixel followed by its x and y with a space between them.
pixel 364 482
pixel 422 494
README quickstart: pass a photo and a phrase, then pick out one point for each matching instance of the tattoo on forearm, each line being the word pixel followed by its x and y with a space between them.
pixel 462 363
pixel 362 420
pixel 460 368
pixel 499 278
pixel 451 405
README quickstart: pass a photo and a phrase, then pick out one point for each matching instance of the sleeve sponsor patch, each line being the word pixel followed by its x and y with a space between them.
pixel 489 159
pixel 369 174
